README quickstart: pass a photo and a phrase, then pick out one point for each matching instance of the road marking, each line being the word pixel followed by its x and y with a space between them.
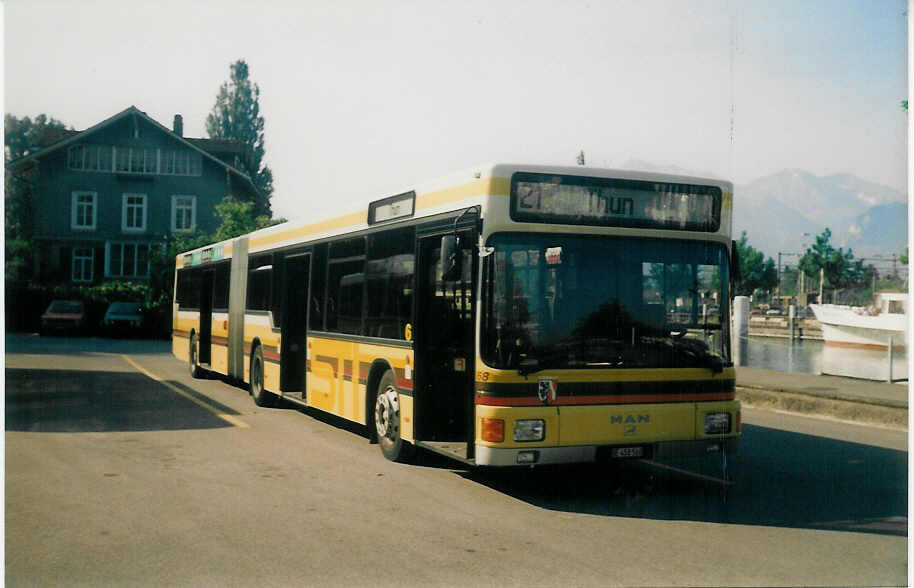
pixel 226 417
pixel 688 473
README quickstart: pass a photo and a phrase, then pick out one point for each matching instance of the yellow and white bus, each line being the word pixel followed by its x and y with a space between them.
pixel 506 315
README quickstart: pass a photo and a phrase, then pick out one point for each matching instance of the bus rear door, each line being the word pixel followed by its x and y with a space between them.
pixel 296 272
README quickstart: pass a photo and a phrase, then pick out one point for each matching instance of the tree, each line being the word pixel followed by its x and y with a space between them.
pixel 790 280
pixel 840 268
pixel 236 116
pixel 21 137
pixel 756 272
pixel 235 218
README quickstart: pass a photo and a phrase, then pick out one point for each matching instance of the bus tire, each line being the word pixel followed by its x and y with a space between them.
pixel 195 370
pixel 387 419
pixel 258 392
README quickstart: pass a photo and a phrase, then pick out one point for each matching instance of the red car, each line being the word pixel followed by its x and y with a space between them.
pixel 64 316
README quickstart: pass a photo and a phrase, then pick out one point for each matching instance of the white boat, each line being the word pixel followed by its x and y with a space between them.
pixel 866 327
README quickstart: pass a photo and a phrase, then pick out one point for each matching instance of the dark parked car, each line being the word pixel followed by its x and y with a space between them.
pixel 64 316
pixel 123 318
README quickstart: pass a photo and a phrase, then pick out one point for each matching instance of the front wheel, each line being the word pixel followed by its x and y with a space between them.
pixel 260 395
pixel 387 419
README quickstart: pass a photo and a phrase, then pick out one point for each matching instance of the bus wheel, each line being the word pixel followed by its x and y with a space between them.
pixel 387 419
pixel 195 371
pixel 261 396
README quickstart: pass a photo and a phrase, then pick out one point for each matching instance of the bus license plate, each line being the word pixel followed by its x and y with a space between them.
pixel 627 452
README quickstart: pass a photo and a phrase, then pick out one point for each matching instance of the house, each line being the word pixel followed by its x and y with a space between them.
pixel 103 198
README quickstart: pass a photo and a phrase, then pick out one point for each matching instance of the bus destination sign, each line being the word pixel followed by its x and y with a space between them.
pixel 214 253
pixel 550 198
pixel 399 206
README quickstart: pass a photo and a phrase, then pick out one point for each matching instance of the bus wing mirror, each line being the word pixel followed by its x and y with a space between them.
pixel 451 258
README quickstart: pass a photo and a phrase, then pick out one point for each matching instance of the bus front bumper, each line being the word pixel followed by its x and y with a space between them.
pixel 520 456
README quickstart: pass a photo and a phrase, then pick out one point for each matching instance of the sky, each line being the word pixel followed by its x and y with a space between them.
pixel 362 99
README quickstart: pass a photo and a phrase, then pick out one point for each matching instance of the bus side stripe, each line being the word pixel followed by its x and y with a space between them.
pixel 567 391
pixel 620 399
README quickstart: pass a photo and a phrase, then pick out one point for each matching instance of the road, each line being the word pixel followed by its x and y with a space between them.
pixel 123 471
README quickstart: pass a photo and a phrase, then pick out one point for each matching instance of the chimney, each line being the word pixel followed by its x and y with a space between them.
pixel 179 125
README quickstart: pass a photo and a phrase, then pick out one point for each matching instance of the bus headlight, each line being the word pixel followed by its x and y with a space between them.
pixel 717 423
pixel 529 430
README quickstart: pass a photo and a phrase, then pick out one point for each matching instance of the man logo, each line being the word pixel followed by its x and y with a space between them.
pixel 547 390
pixel 629 419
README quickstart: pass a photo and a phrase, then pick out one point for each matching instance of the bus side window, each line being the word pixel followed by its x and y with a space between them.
pixel 346 286
pixel 221 286
pixel 260 270
pixel 181 286
pixel 318 281
pixel 389 275
pixel 276 284
pixel 191 296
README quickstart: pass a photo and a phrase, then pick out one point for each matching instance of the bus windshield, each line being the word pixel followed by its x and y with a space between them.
pixel 571 301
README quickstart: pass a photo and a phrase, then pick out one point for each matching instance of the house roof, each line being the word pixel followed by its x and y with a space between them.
pixel 225 148
pixel 226 145
pixel 58 139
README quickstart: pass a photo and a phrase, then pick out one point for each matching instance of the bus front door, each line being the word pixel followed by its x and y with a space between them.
pixel 444 347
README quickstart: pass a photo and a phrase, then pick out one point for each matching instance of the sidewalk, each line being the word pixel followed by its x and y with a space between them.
pixel 844 398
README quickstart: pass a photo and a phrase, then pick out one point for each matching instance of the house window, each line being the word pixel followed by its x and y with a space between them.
pixel 181 163
pixel 98 158
pixel 137 160
pixel 76 157
pixel 133 216
pixel 90 157
pixel 168 162
pixel 83 264
pixel 183 213
pixel 82 211
pixel 128 260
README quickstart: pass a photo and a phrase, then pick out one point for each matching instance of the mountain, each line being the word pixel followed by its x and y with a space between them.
pixel 878 230
pixel 785 211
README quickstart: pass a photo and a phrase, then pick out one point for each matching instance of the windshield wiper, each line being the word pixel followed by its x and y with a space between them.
pixel 691 349
pixel 694 349
pixel 530 365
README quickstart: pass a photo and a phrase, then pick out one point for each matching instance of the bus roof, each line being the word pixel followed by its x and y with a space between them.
pixel 454 191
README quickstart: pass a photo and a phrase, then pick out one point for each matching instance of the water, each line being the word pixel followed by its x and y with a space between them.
pixel 814 357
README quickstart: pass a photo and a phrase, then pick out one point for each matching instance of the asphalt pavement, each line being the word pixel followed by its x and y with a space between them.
pixel 123 470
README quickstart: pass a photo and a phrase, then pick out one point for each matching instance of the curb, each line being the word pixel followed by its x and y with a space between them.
pixel 895 417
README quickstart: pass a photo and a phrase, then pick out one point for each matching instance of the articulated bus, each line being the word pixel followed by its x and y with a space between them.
pixel 507 315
